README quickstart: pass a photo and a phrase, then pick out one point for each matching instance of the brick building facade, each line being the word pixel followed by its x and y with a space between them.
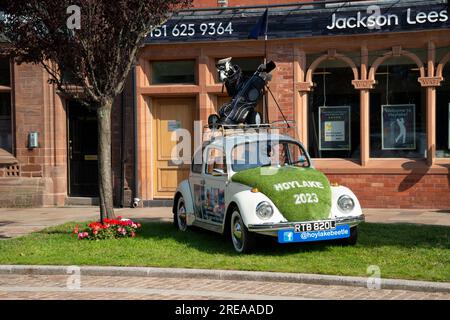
pixel 370 73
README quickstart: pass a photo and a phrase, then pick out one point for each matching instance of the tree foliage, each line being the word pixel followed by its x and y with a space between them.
pixel 88 47
pixel 97 57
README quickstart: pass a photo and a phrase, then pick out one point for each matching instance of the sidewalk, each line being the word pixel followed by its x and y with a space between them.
pixel 18 222
pixel 52 282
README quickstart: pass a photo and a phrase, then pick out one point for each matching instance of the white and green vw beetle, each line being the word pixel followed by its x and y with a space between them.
pixel 248 183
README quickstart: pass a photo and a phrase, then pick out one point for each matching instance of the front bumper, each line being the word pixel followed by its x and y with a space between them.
pixel 273 228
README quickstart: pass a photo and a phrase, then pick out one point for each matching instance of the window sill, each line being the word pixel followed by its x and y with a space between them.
pixel 382 166
pixel 5 89
pixel 171 89
pixel 6 158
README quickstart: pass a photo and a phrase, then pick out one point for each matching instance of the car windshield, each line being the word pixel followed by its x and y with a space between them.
pixel 268 153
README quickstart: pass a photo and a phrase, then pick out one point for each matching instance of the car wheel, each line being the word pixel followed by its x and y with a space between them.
pixel 243 240
pixel 352 240
pixel 180 218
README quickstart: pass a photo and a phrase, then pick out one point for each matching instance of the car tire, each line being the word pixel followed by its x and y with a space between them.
pixel 243 241
pixel 180 216
pixel 352 240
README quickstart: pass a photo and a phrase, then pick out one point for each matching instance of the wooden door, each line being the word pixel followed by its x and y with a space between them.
pixel 169 115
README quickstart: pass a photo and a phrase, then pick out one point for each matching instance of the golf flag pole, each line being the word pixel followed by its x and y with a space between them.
pixel 261 28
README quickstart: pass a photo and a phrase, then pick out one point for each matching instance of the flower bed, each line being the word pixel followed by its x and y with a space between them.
pixel 110 229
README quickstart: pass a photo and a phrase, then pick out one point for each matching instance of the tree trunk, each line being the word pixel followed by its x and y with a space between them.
pixel 104 160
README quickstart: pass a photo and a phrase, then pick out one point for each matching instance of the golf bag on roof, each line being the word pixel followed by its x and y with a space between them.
pixel 245 93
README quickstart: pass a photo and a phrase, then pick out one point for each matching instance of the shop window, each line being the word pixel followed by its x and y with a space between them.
pixel 5 74
pixel 334 113
pixel 443 116
pixel 5 106
pixel 173 72
pixel 397 111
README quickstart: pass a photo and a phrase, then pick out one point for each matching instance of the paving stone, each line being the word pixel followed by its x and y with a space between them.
pixel 105 288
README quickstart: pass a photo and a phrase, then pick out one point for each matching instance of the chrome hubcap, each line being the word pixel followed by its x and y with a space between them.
pixel 237 233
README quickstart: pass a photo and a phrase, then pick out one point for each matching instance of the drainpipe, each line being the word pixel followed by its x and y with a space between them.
pixel 136 196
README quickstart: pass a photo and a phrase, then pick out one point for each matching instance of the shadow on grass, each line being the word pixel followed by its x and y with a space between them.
pixel 370 236
pixel 3 224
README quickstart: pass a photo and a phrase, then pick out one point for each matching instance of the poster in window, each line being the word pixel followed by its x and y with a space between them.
pixel 334 128
pixel 398 127
pixel 173 125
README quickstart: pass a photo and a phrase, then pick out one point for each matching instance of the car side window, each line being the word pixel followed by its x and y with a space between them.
pixel 215 159
pixel 197 162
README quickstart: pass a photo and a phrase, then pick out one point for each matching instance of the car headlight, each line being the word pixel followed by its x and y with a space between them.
pixel 346 204
pixel 264 210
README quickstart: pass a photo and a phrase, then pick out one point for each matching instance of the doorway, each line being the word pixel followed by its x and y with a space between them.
pixel 82 151
pixel 170 114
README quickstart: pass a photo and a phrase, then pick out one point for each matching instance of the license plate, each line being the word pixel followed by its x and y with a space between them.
pixel 289 236
pixel 315 226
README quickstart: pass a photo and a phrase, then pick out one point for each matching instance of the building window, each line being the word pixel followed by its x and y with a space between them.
pixel 334 113
pixel 5 105
pixel 397 112
pixel 443 116
pixel 173 72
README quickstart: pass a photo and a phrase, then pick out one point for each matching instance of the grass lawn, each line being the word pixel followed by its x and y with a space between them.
pixel 401 251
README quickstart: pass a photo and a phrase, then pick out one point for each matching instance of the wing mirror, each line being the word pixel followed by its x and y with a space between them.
pixel 302 160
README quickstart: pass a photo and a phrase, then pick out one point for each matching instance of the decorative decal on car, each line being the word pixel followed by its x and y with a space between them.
pixel 215 204
pixel 301 194
pixel 209 203
pixel 199 201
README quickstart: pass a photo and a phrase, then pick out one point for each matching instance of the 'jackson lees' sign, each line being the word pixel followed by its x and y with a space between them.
pixel 235 23
pixel 377 20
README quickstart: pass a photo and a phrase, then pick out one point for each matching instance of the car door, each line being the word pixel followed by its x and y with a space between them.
pixel 215 177
pixel 197 183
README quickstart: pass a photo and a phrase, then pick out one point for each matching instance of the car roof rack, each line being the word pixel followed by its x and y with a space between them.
pixel 234 129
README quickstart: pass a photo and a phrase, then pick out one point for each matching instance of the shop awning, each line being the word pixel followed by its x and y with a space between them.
pixel 302 20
